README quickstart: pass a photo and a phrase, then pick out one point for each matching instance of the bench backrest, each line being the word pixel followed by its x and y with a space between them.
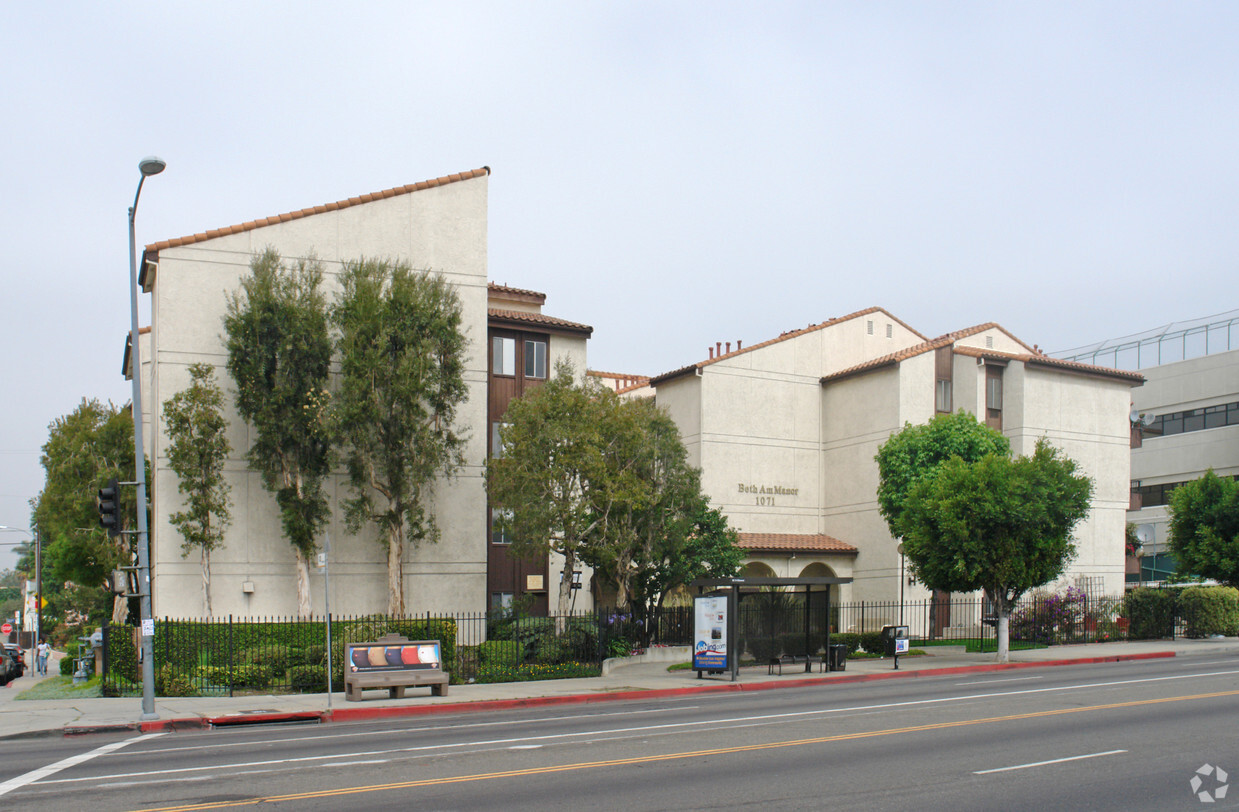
pixel 388 654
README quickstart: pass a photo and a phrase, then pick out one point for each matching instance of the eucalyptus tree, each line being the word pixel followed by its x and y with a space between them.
pixel 279 353
pixel 401 385
pixel 197 449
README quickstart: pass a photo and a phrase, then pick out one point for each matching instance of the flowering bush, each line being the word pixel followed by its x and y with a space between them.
pixel 1050 618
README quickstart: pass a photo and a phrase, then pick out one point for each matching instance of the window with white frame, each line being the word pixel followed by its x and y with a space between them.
pixel 535 359
pixel 503 356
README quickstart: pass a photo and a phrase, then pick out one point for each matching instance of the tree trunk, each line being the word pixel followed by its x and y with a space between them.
pixel 565 593
pixel 206 582
pixel 395 573
pixel 120 604
pixel 303 585
pixel 1004 632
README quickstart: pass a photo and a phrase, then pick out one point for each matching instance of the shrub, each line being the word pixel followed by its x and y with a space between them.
pixel 872 642
pixel 308 679
pixel 170 682
pixel 1049 618
pixel 67 666
pixel 763 648
pixel 1208 610
pixel 849 639
pixel 1150 612
pixel 499 653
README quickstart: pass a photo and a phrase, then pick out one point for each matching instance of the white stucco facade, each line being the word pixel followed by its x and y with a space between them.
pixel 439 226
pixel 785 433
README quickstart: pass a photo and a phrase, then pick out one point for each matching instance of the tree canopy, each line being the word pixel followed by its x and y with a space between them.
pixel 279 353
pixel 1204 527
pixel 605 481
pixel 998 524
pixel 401 383
pixel 197 449
pixel 915 453
pixel 84 450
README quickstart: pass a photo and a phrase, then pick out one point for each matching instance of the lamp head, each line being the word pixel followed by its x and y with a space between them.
pixel 151 165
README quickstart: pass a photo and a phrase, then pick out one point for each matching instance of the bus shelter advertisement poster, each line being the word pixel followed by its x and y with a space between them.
pixel 710 638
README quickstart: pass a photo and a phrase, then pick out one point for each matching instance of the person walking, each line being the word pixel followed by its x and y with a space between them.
pixel 42 652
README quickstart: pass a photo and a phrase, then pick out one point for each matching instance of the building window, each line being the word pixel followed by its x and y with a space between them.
pixel 503 356
pixel 1211 417
pixel 501 600
pixel 499 535
pixel 942 399
pixel 496 441
pixel 989 342
pixel 890 330
pixel 869 327
pixel 535 359
pixel 993 393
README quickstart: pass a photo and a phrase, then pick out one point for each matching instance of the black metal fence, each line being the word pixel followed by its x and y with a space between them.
pixel 227 656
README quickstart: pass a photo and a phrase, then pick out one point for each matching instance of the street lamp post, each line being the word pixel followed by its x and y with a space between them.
pixel 147 166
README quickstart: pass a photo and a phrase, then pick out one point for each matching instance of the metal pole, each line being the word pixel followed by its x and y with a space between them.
pixel 327 607
pixel 38 587
pixel 139 463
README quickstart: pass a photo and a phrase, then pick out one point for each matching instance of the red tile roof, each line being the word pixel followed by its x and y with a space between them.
pixel 784 337
pixel 794 542
pixel 521 318
pixel 1038 359
pixel 517 294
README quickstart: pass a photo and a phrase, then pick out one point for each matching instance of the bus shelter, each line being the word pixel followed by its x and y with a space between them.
pixel 721 603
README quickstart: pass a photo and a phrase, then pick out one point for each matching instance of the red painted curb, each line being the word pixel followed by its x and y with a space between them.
pixel 358 714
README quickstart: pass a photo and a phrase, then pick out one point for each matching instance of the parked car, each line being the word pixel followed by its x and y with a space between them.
pixel 19 657
pixel 8 667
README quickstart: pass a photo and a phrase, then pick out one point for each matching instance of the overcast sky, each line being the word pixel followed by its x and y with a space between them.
pixel 673 174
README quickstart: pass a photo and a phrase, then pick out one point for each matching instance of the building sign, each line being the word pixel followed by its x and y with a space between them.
pixel 766 495
pixel 710 633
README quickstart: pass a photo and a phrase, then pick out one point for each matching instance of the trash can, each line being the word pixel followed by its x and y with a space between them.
pixel 838 659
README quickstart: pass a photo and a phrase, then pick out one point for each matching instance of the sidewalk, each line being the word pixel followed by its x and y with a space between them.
pixel 632 678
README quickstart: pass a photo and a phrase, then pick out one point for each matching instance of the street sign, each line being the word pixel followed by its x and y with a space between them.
pixel 7 628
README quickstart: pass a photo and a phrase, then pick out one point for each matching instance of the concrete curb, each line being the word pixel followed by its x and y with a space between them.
pixel 360 714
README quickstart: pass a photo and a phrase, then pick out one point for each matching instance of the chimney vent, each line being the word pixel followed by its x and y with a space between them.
pixel 737 345
pixel 729 348
pixel 711 349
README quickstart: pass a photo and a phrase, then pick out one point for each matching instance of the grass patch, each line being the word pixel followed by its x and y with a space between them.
pixel 977 645
pixel 62 688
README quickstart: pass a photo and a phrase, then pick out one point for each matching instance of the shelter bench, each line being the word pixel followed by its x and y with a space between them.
pixel 796 659
pixel 395 663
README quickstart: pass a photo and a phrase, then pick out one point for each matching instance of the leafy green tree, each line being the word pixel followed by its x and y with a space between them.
pixel 998 524
pixel 279 353
pixel 1204 527
pixel 697 543
pixel 401 383
pixel 84 450
pixel 915 453
pixel 660 532
pixel 561 470
pixel 197 448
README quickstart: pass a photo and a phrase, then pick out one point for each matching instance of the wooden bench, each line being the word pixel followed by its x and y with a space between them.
pixel 395 663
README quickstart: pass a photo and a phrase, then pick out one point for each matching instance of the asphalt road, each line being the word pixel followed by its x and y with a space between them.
pixel 1112 736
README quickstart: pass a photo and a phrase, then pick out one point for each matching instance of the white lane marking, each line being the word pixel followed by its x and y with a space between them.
pixel 355 763
pixel 1051 761
pixel 51 769
pixel 422 729
pixel 645 729
pixel 1004 680
pixel 526 747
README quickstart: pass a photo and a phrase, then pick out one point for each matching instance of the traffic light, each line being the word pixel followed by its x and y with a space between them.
pixel 108 503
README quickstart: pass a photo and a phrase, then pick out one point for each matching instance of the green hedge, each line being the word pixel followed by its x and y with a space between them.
pixel 1150 612
pixel 1209 610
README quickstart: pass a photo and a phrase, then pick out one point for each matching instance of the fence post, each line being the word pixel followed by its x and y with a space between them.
pixel 231 657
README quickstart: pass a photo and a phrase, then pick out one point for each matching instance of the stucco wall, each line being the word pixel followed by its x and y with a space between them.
pixel 442 229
